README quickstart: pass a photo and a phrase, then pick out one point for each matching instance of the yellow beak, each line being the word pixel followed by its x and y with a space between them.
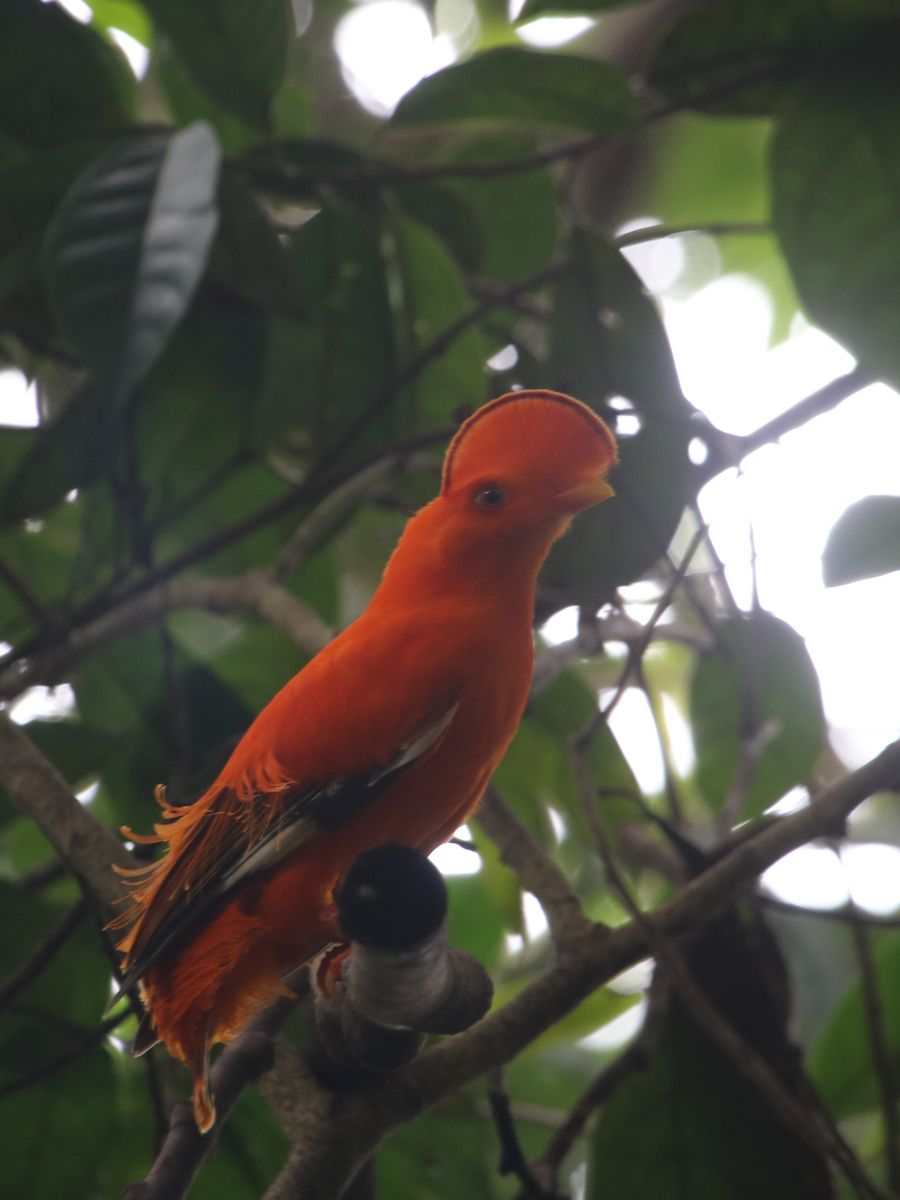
pixel 585 494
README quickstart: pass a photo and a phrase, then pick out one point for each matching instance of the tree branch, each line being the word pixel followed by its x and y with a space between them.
pixel 40 792
pixel 253 592
pixel 338 1136
pixel 537 872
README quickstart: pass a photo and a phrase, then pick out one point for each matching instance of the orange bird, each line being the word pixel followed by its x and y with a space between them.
pixel 390 734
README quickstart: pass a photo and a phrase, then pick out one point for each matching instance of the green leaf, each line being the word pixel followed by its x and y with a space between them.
pixel 45 556
pixel 127 249
pixel 74 748
pixel 60 79
pixel 195 412
pixel 447 1152
pixel 865 541
pixel 836 204
pixel 607 340
pixel 33 187
pixel 840 1061
pixel 236 49
pixel 691 1127
pixel 247 257
pixel 54 1137
pixel 744 58
pixel 759 684
pixel 343 349
pixel 501 226
pixel 126 15
pixel 430 299
pixel 65 454
pixel 509 85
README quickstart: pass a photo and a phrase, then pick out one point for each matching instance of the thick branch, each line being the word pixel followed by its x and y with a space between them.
pixel 40 792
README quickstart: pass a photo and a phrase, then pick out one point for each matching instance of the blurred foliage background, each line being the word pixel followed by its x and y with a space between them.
pixel 253 311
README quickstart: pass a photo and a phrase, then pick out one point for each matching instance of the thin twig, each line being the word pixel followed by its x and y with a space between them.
pixel 638 648
pixel 433 350
pixel 512 1160
pixel 652 233
pixel 670 779
pixel 845 914
pixel 290 175
pixel 312 488
pixel 328 514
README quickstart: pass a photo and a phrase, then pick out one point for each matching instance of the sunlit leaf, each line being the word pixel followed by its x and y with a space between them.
pixel 144 215
pixel 865 541
pixel 836 200
pixel 756 713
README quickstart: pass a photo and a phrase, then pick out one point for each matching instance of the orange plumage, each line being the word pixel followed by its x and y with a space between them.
pixel 389 735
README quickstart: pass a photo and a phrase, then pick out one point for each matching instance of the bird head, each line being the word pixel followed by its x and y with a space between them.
pixel 528 461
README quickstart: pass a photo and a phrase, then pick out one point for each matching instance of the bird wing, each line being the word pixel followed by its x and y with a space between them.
pixel 230 840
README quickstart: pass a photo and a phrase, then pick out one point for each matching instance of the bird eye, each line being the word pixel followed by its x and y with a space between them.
pixel 490 496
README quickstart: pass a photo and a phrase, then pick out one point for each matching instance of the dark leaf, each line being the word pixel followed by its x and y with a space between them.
pixel 836 200
pixel 236 49
pixel 509 85
pixel 691 1125
pixel 247 258
pixel 755 708
pixel 509 223
pixel 60 79
pixel 865 541
pixel 325 369
pixel 196 411
pixel 75 749
pixel 430 299
pixel 65 454
pixel 33 187
pixel 608 341
pixel 127 249
pixel 744 58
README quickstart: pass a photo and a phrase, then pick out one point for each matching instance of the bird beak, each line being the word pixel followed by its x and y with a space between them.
pixel 584 495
